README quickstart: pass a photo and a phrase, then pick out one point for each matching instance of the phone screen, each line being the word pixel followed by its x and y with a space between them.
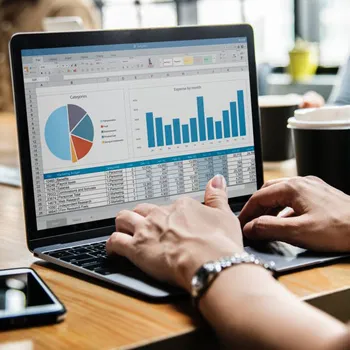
pixel 21 291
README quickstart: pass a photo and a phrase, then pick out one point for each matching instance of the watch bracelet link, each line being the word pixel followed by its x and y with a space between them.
pixel 207 273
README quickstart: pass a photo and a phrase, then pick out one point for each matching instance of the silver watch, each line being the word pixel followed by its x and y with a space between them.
pixel 207 273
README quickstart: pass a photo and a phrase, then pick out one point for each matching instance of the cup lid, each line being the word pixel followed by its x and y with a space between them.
pixel 330 117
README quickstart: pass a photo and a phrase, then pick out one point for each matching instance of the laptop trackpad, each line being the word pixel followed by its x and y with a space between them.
pixel 288 257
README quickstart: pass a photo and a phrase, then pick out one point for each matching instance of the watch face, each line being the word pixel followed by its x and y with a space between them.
pixel 199 279
pixel 203 277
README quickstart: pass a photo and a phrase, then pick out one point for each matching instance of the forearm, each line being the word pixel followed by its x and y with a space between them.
pixel 250 310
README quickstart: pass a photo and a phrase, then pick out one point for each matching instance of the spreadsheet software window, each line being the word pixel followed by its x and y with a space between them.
pixel 114 125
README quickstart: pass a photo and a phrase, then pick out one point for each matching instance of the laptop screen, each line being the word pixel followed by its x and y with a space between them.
pixel 114 125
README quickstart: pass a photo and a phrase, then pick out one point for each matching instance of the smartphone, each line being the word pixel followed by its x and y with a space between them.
pixel 335 303
pixel 26 301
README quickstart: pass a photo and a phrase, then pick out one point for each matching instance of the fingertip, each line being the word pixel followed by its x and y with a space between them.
pixel 259 228
pixel 216 193
pixel 248 229
pixel 109 243
pixel 243 218
pixel 119 243
pixel 218 182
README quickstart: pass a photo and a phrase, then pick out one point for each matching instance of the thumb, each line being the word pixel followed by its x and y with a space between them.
pixel 215 193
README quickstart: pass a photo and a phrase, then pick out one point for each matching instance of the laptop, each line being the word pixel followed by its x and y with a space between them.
pixel 110 119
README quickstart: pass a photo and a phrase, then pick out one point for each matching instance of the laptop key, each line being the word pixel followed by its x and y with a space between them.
pixel 59 253
pixel 84 261
pixel 80 250
pixel 67 258
pixel 94 251
pixel 92 265
pixel 76 258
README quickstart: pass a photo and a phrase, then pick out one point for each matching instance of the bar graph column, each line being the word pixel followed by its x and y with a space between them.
pixel 177 132
pixel 210 126
pixel 218 130
pixel 185 133
pixel 234 121
pixel 159 132
pixel 241 113
pixel 226 122
pixel 150 130
pixel 201 118
pixel 168 135
pixel 194 132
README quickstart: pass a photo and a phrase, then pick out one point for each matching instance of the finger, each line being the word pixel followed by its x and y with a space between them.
pixel 280 212
pixel 215 193
pixel 275 181
pixel 310 178
pixel 121 244
pixel 283 195
pixel 159 215
pixel 126 221
pixel 275 229
pixel 144 209
pixel 286 213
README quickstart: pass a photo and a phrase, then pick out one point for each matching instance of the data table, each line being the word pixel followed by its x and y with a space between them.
pixel 145 181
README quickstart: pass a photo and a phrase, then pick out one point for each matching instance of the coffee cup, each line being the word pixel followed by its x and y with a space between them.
pixel 322 144
pixel 276 137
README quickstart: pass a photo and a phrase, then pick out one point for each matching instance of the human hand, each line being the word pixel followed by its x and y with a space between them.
pixel 319 218
pixel 312 100
pixel 171 242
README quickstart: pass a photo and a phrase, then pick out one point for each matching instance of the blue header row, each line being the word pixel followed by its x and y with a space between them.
pixel 146 163
pixel 138 46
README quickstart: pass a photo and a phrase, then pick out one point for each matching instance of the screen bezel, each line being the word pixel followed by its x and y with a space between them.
pixel 38 238
pixel 55 307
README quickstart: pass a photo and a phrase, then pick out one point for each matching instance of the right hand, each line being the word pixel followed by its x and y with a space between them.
pixel 171 242
pixel 319 218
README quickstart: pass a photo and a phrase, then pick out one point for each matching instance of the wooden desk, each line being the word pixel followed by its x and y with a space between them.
pixel 100 318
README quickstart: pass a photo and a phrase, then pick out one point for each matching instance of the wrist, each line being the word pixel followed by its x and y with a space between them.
pixel 206 275
pixel 246 277
pixel 188 264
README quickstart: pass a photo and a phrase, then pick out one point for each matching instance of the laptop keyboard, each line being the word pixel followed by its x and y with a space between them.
pixel 92 257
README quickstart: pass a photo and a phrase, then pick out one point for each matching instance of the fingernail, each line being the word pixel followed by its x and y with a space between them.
pixel 219 182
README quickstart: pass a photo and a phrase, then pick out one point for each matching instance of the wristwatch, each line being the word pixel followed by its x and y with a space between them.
pixel 207 273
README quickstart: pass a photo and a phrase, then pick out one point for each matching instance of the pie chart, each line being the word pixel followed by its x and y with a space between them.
pixel 69 133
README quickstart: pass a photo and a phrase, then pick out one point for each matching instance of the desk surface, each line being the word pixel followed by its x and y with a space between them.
pixel 101 318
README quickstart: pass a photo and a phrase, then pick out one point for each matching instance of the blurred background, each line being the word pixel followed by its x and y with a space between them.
pixel 300 44
pixel 277 24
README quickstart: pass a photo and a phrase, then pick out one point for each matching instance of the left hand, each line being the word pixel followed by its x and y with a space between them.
pixel 317 216
pixel 171 242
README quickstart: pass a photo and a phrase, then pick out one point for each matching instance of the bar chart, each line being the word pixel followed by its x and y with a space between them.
pixel 199 128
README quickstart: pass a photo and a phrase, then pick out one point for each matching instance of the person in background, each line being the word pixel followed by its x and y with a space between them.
pixel 340 95
pixel 27 16
pixel 246 306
